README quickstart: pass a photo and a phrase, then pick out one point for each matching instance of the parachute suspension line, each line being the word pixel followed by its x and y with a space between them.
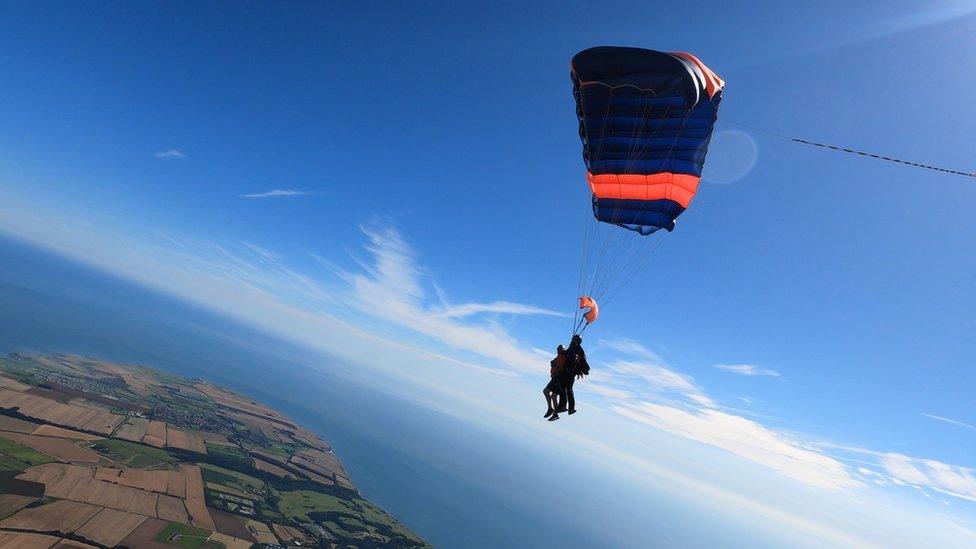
pixel 582 322
pixel 633 273
pixel 602 238
pixel 587 231
pixel 639 123
pixel 641 246
pixel 599 247
pixel 838 148
pixel 635 252
pixel 629 245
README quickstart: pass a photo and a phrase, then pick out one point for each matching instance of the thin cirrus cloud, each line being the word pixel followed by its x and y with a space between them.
pixel 949 420
pixel 747 370
pixel 630 347
pixel 170 153
pixel 281 193
pixel 497 307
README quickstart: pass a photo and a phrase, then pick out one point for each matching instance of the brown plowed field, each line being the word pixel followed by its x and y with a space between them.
pixel 196 503
pixel 134 429
pixel 58 516
pixel 110 526
pixel 52 431
pixel 77 483
pixel 10 504
pixel 172 509
pixel 58 448
pixel 18 540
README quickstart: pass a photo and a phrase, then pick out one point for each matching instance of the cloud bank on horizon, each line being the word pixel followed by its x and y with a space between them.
pixel 639 393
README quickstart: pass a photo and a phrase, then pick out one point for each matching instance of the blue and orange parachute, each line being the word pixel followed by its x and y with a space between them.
pixel 645 119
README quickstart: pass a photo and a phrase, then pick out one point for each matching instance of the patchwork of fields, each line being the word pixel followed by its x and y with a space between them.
pixel 94 454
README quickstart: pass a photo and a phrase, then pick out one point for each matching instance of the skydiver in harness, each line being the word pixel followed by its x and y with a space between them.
pixel 554 388
pixel 576 367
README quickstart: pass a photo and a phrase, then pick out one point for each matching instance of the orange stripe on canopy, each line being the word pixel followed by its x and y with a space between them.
pixel 634 186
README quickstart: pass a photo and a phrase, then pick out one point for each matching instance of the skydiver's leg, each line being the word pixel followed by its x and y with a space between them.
pixel 549 401
pixel 561 406
pixel 555 389
pixel 571 398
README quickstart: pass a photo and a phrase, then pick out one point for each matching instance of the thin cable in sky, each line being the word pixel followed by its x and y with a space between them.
pixel 855 151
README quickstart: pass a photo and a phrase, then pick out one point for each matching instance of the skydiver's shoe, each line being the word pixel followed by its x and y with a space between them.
pixel 571 412
pixel 549 412
pixel 554 417
pixel 561 409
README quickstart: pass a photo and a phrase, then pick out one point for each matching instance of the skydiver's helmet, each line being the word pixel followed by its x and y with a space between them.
pixel 577 339
pixel 560 350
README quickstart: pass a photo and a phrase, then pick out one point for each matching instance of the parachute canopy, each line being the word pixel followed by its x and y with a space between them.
pixel 645 118
pixel 591 311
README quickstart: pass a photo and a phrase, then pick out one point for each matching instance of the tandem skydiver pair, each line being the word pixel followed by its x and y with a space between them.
pixel 569 365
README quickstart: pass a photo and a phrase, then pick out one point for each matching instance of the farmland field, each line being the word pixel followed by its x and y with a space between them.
pixel 60 515
pixel 299 503
pixel 234 479
pixel 22 453
pixel 137 456
pixel 110 526
pixel 56 448
pixel 230 456
pixel 8 463
pixel 187 537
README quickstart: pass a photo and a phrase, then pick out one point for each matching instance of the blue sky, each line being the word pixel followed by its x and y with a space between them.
pixel 430 200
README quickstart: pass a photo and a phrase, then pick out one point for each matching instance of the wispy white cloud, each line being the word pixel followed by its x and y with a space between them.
pixel 391 288
pixel 263 252
pixel 497 307
pixel 648 391
pixel 747 439
pixel 657 379
pixel 170 153
pixel 949 479
pixel 949 420
pixel 278 193
pixel 654 394
pixel 629 347
pixel 921 473
pixel 747 370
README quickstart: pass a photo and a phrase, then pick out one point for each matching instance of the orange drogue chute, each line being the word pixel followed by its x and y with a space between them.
pixel 592 310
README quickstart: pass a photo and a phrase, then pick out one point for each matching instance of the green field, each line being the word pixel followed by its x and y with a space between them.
pixel 358 517
pixel 21 453
pixel 188 537
pixel 137 456
pixel 234 479
pixel 228 456
pixel 299 503
pixel 214 487
pixel 272 447
pixel 8 463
